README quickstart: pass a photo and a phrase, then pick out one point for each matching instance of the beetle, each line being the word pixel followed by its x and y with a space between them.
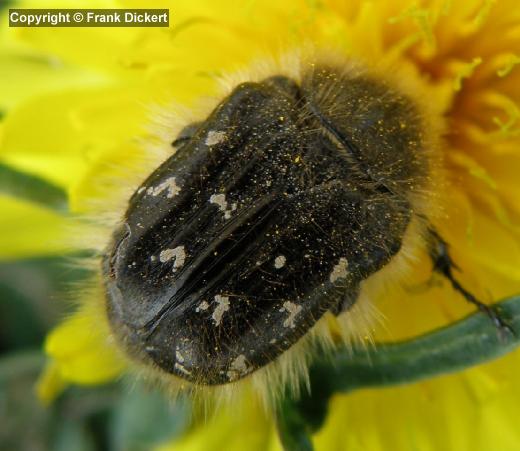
pixel 271 212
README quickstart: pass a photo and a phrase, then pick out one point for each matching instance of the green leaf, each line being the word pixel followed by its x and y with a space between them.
pixel 471 341
pixel 72 435
pixel 292 429
pixel 29 289
pixel 20 325
pixel 144 418
pixel 4 4
pixel 33 188
pixel 24 422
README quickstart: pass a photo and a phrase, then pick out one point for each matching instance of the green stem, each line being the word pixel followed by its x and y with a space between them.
pixel 471 341
pixel 32 188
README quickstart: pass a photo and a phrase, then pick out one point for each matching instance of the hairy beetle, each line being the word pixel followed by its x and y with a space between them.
pixel 270 212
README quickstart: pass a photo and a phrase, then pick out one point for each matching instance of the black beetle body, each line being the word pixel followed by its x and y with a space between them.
pixel 271 212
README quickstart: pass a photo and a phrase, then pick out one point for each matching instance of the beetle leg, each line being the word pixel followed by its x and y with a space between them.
pixel 444 265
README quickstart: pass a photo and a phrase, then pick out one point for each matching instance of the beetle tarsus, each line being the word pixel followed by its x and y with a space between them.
pixel 443 264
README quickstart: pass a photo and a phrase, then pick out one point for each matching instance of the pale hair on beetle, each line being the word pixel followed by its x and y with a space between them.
pixel 255 230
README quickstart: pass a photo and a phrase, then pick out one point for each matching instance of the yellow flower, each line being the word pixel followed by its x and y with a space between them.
pixel 73 102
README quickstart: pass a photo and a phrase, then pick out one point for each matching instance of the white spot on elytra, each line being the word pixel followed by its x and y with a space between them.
pixel 239 363
pixel 221 202
pixel 169 185
pixel 220 309
pixel 279 262
pixel 179 357
pixel 340 270
pixel 238 367
pixel 215 138
pixel 181 368
pixel 293 310
pixel 202 306
pixel 179 254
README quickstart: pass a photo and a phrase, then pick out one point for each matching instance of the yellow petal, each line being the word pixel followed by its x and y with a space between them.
pixel 77 46
pixel 430 416
pixel 50 383
pixel 28 230
pixel 57 136
pixel 244 426
pixel 82 348
pixel 27 74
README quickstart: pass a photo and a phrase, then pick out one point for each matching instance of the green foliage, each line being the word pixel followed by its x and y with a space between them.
pixel 31 188
pixel 461 345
